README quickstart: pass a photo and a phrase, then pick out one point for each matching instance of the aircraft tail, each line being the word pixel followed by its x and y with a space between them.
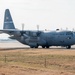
pixel 8 22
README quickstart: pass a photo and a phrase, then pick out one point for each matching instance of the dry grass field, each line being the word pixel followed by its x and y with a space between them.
pixel 55 61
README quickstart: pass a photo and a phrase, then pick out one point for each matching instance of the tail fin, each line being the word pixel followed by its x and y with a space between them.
pixel 8 22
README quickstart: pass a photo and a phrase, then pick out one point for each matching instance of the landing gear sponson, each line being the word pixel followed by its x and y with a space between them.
pixel 67 47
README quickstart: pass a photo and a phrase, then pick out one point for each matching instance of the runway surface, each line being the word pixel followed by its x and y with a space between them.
pixel 17 45
pixel 13 44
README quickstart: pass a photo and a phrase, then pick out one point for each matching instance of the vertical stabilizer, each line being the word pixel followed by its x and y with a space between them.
pixel 8 22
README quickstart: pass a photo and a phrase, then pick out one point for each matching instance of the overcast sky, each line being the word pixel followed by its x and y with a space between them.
pixel 48 14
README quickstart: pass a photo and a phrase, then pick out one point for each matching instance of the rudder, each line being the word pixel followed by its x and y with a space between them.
pixel 8 22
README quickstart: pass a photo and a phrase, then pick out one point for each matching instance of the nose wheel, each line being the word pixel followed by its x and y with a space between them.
pixel 47 46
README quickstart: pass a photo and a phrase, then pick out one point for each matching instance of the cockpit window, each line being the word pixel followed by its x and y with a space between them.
pixel 69 33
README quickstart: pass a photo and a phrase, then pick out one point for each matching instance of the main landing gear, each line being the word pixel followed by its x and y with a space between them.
pixel 68 47
pixel 45 46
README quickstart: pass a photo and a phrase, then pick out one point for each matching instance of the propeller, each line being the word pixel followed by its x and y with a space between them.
pixel 73 29
pixel 23 33
pixel 37 27
pixel 66 28
pixel 22 26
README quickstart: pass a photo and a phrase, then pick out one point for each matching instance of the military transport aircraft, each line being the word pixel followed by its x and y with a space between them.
pixel 37 38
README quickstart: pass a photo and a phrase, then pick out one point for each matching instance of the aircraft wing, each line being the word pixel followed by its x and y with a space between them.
pixel 12 31
pixel 7 31
pixel 17 32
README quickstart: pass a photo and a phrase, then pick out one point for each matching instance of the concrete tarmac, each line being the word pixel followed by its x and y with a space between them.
pixel 16 44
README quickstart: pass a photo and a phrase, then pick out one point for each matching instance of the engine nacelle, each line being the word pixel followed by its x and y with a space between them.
pixel 33 34
pixel 25 36
pixel 17 33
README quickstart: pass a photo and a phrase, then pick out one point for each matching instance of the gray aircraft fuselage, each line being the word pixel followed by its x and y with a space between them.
pixel 38 38
pixel 47 39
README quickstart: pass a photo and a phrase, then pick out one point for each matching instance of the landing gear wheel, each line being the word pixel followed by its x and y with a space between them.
pixel 68 47
pixel 36 47
pixel 31 47
pixel 47 46
pixel 43 46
